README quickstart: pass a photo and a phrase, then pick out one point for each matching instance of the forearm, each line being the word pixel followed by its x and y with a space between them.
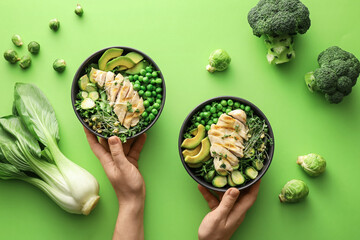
pixel 130 222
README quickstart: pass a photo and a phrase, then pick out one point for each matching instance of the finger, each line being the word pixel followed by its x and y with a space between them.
pixel 105 144
pixel 117 151
pixel 220 194
pixel 137 147
pixel 127 146
pixel 248 199
pixel 228 201
pixel 211 199
pixel 97 148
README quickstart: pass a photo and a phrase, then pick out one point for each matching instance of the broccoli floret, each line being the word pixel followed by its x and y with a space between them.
pixel 336 76
pixel 279 21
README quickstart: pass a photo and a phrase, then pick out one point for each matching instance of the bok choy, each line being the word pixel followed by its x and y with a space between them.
pixel 29 152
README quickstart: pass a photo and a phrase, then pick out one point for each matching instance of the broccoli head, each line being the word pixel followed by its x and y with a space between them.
pixel 336 76
pixel 279 21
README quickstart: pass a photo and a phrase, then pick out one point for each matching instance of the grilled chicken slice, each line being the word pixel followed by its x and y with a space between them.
pixel 108 81
pixel 232 124
pixel 226 141
pixel 100 79
pixel 120 107
pixel 239 115
pixel 217 149
pixel 138 111
pixel 135 101
pixel 219 164
pixel 233 134
pixel 113 88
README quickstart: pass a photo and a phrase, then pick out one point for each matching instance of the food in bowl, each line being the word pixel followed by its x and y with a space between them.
pixel 226 143
pixel 120 95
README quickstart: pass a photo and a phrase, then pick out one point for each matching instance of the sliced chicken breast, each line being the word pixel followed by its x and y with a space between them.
pixel 108 81
pixel 233 125
pixel 120 107
pixel 114 88
pixel 239 115
pixel 219 164
pixel 226 141
pixel 129 115
pixel 138 111
pixel 100 79
pixel 233 134
pixel 218 150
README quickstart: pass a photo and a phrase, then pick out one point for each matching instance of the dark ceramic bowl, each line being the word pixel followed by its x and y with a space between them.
pixel 187 122
pixel 94 58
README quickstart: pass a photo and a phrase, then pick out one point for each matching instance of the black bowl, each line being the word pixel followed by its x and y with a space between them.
pixel 94 58
pixel 191 171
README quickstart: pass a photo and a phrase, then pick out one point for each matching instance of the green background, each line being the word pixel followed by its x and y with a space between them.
pixel 179 36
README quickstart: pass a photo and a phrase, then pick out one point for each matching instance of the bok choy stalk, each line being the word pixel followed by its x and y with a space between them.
pixel 29 152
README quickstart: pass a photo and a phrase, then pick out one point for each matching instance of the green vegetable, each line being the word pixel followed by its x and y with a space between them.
pixel 25 62
pixel 258 164
pixel 54 24
pixel 219 181
pixel 16 39
pixel 59 65
pixel 34 47
pixel 336 76
pixel 279 21
pixel 88 103
pixel 237 177
pixel 219 60
pixel 294 191
pixel 210 176
pixel 11 56
pixel 251 172
pixel 68 185
pixel 94 95
pixel 313 164
pixel 79 10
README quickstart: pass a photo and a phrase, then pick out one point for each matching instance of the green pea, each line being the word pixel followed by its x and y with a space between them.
pixel 141 78
pixel 147 94
pixel 153 81
pixel 157 106
pixel 136 87
pixel 207 114
pixel 219 114
pixel 158 81
pixel 151 116
pixel 198 119
pixel 159 90
pixel 159 96
pixel 230 102
pixel 153 93
pixel 215 120
pixel 214 115
pixel 228 110
pixel 213 110
pixel 207 107
pixel 154 74
pixel 148 75
pixel 149 87
pixel 142 87
pixel 149 109
pixel 223 109
pixel 207 127
pixel 210 122
pixel 143 72
pixel 146 80
pixel 150 99
pixel 154 111
pixel 146 103
pixel 218 106
pixel 224 103
pixel 236 104
pixel 197 124
pixel 158 101
pixel 136 77
pixel 202 122
pixel 144 114
pixel 141 92
pixel 247 108
pixel 131 78
pixel 148 69
pixel 137 82
pixel 202 115
pixel 242 106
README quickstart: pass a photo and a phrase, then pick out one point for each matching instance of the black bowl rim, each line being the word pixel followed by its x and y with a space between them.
pixel 257 111
pixel 89 60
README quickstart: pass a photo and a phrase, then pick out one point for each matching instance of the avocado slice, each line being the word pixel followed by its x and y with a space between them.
pixel 191 143
pixel 119 61
pixel 136 69
pixel 108 55
pixel 193 132
pixel 204 152
pixel 83 81
pixel 136 57
pixel 196 165
pixel 191 152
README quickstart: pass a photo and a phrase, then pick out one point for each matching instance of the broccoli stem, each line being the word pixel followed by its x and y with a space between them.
pixel 310 81
pixel 280 49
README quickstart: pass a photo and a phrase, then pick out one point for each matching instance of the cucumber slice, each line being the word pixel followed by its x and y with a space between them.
pixel 94 95
pixel 230 181
pixel 236 167
pixel 237 177
pixel 258 164
pixel 91 87
pixel 83 81
pixel 222 172
pixel 219 181
pixel 87 103
pixel 251 172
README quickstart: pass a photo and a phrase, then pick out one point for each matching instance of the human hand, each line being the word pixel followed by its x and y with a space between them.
pixel 226 215
pixel 121 167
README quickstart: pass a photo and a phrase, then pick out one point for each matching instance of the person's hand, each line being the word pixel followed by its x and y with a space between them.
pixel 226 215
pixel 120 164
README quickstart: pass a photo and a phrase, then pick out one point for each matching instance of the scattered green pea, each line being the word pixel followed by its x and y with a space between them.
pixel 144 114
pixel 141 78
pixel 151 100
pixel 153 93
pixel 147 94
pixel 159 90
pixel 146 103
pixel 210 122
pixel 148 69
pixel 136 77
pixel 213 110
pixel 206 114
pixel 136 87
pixel 158 81
pixel 141 92
pixel 236 105
pixel 207 107
pixel 214 115
pixel 158 101
pixel 207 127
pixel 218 106
pixel 131 78
pixel 143 72
pixel 150 87
pixel 151 116
pixel 197 124
pixel 230 102
pixel 215 120
pixel 154 74
pixel 224 103
pixel 146 80
pixel 159 96
pixel 157 106
pixel 155 111
pixel 247 108
pixel 143 88
pixel 198 119
pixel 242 106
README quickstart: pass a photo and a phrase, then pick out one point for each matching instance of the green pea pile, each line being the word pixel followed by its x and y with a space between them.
pixel 149 86
pixel 210 113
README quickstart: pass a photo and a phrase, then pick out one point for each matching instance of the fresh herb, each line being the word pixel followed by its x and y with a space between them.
pixel 129 107
pixel 223 166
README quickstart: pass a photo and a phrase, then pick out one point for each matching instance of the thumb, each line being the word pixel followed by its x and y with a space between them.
pixel 116 150
pixel 228 201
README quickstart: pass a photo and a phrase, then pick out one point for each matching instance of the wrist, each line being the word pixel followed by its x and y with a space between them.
pixel 134 207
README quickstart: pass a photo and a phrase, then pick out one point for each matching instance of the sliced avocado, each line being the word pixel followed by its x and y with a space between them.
pixel 119 61
pixel 191 143
pixel 108 55
pixel 136 69
pixel 191 152
pixel 122 68
pixel 194 131
pixel 219 181
pixel 204 152
pixel 136 57
pixel 196 165
pixel 91 75
pixel 206 158
pixel 83 81
pixel 91 87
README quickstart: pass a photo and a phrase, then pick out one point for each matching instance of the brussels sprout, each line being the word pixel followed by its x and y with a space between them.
pixel 54 24
pixel 34 47
pixel 294 191
pixel 16 39
pixel 79 10
pixel 25 62
pixel 209 176
pixel 59 65
pixel 219 60
pixel 11 56
pixel 313 164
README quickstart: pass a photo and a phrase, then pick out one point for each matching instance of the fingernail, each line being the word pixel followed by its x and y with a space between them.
pixel 113 140
pixel 234 192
